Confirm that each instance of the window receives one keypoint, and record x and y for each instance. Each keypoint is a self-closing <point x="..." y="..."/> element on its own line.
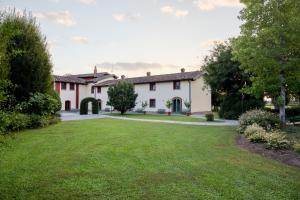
<point x="72" y="86"/>
<point x="63" y="86"/>
<point x="176" y="85"/>
<point x="152" y="86"/>
<point x="152" y="103"/>
<point x="98" y="89"/>
<point x="92" y="90"/>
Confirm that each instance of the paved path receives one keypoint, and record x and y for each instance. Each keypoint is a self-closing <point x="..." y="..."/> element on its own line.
<point x="75" y="116"/>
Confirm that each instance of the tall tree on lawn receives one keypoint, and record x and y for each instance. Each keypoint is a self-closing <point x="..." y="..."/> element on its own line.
<point x="269" y="48"/>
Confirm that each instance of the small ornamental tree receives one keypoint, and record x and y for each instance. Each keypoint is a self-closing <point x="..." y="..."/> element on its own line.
<point x="169" y="105"/>
<point x="144" y="105"/>
<point x="122" y="96"/>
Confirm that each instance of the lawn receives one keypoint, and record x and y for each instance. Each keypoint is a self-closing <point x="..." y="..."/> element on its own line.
<point x="163" y="117"/>
<point x="116" y="159"/>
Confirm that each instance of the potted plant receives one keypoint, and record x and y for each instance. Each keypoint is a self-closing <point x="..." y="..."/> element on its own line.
<point x="144" y="105"/>
<point x="169" y="105"/>
<point x="188" y="107"/>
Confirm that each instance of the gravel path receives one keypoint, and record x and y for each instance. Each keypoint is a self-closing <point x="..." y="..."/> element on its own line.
<point x="65" y="116"/>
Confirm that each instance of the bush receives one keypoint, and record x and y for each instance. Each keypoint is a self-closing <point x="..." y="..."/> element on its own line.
<point x="13" y="121"/>
<point x="37" y="121"/>
<point x="296" y="147"/>
<point x="278" y="140"/>
<point x="255" y="133"/>
<point x="85" y="103"/>
<point x="265" y="119"/>
<point x="40" y="104"/>
<point x="210" y="117"/>
<point x="161" y="111"/>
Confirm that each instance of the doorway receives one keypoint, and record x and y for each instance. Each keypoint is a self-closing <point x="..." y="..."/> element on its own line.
<point x="177" y="105"/>
<point x="67" y="105"/>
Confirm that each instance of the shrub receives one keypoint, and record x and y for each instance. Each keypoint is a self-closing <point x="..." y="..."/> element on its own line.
<point x="255" y="133"/>
<point x="85" y="103"/>
<point x="41" y="104"/>
<point x="265" y="119"/>
<point x="278" y="140"/>
<point x="13" y="121"/>
<point x="296" y="147"/>
<point x="37" y="121"/>
<point x="161" y="111"/>
<point x="210" y="117"/>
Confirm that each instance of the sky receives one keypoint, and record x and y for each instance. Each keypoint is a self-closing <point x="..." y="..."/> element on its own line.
<point x="131" y="37"/>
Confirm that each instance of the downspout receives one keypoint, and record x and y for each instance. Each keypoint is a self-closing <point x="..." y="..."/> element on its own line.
<point x="190" y="95"/>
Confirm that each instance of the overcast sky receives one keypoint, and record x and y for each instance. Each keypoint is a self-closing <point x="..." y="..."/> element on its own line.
<point x="131" y="37"/>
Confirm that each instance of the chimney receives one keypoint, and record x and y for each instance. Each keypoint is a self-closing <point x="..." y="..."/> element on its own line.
<point x="122" y="77"/>
<point x="182" y="70"/>
<point x="95" y="70"/>
<point x="148" y="73"/>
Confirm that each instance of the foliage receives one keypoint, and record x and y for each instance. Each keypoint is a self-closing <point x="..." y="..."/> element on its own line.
<point x="144" y="105"/>
<point x="269" y="48"/>
<point x="38" y="121"/>
<point x="84" y="104"/>
<point x="188" y="105"/>
<point x="40" y="104"/>
<point x="296" y="147"/>
<point x="7" y="100"/>
<point x="210" y="117"/>
<point x="12" y="121"/>
<point x="122" y="96"/>
<point x="226" y="80"/>
<point x="278" y="140"/>
<point x="25" y="60"/>
<point x="265" y="119"/>
<point x="161" y="111"/>
<point x="255" y="133"/>
<point x="169" y="104"/>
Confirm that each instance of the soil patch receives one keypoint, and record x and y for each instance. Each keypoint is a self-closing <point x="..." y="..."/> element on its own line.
<point x="284" y="156"/>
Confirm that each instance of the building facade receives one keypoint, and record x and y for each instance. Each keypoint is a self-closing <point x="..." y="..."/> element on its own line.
<point x="156" y="90"/>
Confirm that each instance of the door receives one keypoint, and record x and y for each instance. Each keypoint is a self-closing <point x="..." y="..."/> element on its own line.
<point x="99" y="104"/>
<point x="67" y="105"/>
<point x="176" y="105"/>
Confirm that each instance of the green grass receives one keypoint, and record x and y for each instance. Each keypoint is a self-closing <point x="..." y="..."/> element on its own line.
<point x="163" y="117"/>
<point x="116" y="159"/>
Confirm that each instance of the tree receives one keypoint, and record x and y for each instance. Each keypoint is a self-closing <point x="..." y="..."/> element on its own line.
<point x="269" y="48"/>
<point x="122" y="96"/>
<point x="226" y="80"/>
<point x="169" y="105"/>
<point x="24" y="57"/>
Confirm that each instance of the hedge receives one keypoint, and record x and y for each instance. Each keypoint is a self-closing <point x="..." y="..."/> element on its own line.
<point x="84" y="106"/>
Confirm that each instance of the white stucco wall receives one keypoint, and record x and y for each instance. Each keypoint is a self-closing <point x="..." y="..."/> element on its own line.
<point x="68" y="95"/>
<point x="201" y="96"/>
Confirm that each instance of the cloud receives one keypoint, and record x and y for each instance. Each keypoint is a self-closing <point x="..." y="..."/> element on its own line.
<point x="88" y="2"/>
<point x="62" y="17"/>
<point x="170" y="10"/>
<point x="79" y="39"/>
<point x="140" y="68"/>
<point x="126" y="17"/>
<point x="208" y="5"/>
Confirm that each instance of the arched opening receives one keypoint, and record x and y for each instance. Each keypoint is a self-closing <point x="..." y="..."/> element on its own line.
<point x="84" y="106"/>
<point x="176" y="105"/>
<point x="67" y="105"/>
<point x="99" y="104"/>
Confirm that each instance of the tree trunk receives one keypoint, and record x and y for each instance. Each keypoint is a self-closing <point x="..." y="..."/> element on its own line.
<point x="282" y="103"/>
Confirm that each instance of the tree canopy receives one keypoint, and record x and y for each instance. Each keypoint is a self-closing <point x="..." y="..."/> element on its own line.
<point x="226" y="80"/>
<point x="122" y="96"/>
<point x="24" y="58"/>
<point x="269" y="48"/>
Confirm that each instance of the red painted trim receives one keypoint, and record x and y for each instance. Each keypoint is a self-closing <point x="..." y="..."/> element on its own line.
<point x="58" y="87"/>
<point x="77" y="96"/>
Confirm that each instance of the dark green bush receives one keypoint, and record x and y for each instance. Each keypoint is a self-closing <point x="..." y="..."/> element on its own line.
<point x="161" y="111"/>
<point x="263" y="118"/>
<point x="210" y="117"/>
<point x="84" y="106"/>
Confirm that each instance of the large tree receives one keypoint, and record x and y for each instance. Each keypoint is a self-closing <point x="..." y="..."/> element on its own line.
<point x="269" y="48"/>
<point x="226" y="80"/>
<point x="24" y="57"/>
<point x="122" y="96"/>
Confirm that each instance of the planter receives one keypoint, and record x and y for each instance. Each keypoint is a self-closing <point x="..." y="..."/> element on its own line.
<point x="144" y="112"/>
<point x="169" y="113"/>
<point x="188" y="114"/>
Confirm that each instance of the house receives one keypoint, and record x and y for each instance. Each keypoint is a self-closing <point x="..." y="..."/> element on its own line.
<point x="155" y="89"/>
